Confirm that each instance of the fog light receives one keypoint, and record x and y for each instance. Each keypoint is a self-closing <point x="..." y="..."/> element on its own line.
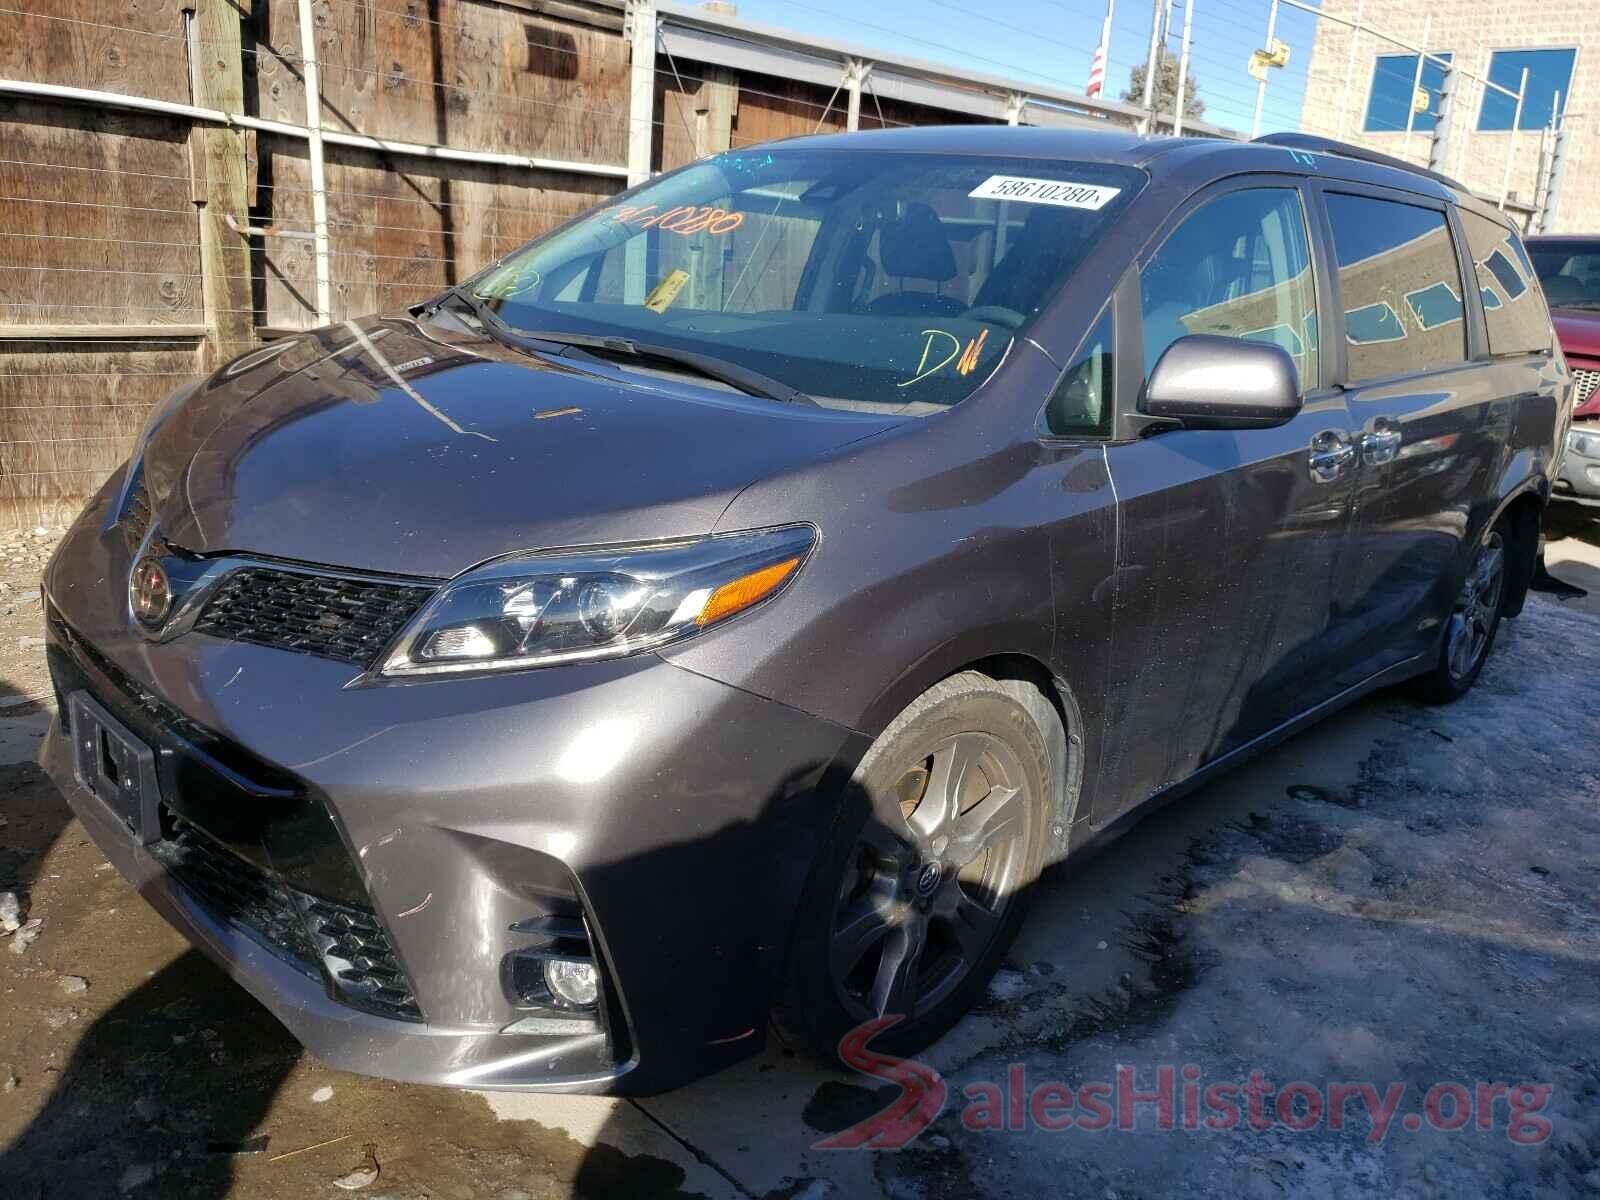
<point x="575" y="982"/>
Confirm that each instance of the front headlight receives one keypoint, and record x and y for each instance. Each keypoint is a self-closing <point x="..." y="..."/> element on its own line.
<point x="1584" y="443"/>
<point x="535" y="610"/>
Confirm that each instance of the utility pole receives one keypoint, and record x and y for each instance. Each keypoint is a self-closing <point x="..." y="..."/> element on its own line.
<point x="1157" y="42"/>
<point x="1261" y="84"/>
<point x="1183" y="69"/>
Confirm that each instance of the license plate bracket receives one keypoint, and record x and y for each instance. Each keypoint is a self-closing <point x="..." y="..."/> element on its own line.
<point x="116" y="766"/>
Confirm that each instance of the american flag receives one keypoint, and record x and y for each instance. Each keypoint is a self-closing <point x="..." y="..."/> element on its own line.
<point x="1097" y="68"/>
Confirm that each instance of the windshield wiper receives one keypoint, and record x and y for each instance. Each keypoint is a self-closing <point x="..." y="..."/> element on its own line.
<point x="751" y="382"/>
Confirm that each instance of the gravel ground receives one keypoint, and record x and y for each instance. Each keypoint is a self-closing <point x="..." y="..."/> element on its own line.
<point x="1402" y="896"/>
<point x="23" y="552"/>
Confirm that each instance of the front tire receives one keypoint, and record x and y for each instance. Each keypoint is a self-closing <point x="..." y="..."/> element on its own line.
<point x="923" y="884"/>
<point x="1473" y="622"/>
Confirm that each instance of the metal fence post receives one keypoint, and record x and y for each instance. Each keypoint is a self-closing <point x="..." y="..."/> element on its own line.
<point x="855" y="73"/>
<point x="1349" y="68"/>
<point x="1439" y="149"/>
<point x="1511" y="146"/>
<point x="312" y="76"/>
<point x="641" y="88"/>
<point x="1416" y="84"/>
<point x="1552" y="191"/>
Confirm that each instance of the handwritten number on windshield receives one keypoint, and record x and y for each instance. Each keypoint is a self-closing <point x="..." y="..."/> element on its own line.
<point x="685" y="219"/>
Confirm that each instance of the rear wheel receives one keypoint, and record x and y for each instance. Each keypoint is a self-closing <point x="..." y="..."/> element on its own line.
<point x="922" y="886"/>
<point x="1474" y="619"/>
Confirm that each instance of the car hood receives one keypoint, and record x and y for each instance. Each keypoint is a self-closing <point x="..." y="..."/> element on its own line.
<point x="399" y="446"/>
<point x="1578" y="331"/>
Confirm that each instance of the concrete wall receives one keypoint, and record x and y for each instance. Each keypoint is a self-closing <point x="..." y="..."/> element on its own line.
<point x="1470" y="29"/>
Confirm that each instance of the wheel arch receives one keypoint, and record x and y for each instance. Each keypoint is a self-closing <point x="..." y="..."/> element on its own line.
<point x="1523" y="511"/>
<point x="1019" y="665"/>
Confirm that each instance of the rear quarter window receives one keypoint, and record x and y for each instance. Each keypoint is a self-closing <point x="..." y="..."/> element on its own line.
<point x="1513" y="309"/>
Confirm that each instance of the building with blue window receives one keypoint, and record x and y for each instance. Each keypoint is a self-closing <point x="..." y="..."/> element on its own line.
<point x="1363" y="89"/>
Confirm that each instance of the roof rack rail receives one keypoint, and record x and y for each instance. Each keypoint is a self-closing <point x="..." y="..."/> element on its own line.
<point x="1323" y="145"/>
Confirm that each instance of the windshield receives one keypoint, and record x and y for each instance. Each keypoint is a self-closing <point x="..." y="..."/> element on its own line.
<point x="866" y="280"/>
<point x="1569" y="272"/>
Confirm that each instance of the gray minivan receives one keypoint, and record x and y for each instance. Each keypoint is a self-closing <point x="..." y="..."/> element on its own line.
<point x="724" y="607"/>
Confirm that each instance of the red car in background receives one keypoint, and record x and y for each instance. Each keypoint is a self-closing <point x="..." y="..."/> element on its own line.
<point x="1569" y="270"/>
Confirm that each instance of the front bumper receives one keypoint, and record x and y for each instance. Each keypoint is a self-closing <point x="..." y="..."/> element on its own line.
<point x="1579" y="478"/>
<point x="681" y="815"/>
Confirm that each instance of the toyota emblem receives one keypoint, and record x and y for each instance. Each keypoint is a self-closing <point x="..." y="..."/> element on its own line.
<point x="149" y="592"/>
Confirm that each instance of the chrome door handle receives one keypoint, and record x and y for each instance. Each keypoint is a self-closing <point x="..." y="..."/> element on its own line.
<point x="1380" y="446"/>
<point x="1331" y="453"/>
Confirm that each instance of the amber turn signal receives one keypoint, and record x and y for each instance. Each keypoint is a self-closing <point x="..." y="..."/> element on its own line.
<point x="745" y="591"/>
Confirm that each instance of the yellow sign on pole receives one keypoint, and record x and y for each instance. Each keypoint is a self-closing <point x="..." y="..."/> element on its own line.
<point x="1261" y="61"/>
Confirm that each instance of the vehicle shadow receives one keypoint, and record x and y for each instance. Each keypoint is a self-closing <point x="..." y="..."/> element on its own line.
<point x="162" y="1089"/>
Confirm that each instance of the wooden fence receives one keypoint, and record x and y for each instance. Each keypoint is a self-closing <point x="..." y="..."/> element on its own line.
<point x="126" y="261"/>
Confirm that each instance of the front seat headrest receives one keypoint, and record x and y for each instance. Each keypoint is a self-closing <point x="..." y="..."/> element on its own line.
<point x="914" y="246"/>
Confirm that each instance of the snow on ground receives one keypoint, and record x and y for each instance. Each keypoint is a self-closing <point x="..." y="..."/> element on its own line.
<point x="1403" y="896"/>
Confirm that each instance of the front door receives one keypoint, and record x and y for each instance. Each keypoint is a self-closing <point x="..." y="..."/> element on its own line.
<point x="1229" y="542"/>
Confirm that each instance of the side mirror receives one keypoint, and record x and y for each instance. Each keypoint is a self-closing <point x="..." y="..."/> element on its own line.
<point x="1211" y="382"/>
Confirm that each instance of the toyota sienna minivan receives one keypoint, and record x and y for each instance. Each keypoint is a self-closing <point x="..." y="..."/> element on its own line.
<point x="714" y="615"/>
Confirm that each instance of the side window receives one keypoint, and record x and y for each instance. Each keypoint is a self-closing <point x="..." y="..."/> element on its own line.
<point x="1081" y="403"/>
<point x="1240" y="266"/>
<point x="1399" y="284"/>
<point x="1512" y="308"/>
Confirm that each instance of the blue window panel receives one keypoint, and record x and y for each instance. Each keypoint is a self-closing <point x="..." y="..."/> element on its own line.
<point x="1435" y="306"/>
<point x="1311" y="330"/>
<point x="1549" y="72"/>
<point x="1373" y="323"/>
<point x="1505" y="274"/>
<point x="1389" y="101"/>
<point x="1490" y="300"/>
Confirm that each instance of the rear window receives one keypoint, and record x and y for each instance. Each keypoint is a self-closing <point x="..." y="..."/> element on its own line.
<point x="1400" y="287"/>
<point x="873" y="280"/>
<point x="1512" y="307"/>
<point x="1569" y="273"/>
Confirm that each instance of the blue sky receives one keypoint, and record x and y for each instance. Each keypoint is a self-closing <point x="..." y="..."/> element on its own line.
<point x="1053" y="41"/>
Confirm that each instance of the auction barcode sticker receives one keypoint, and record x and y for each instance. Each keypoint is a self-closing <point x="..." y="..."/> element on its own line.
<point x="1062" y="192"/>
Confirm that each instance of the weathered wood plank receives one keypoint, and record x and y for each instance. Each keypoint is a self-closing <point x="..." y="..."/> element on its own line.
<point x="220" y="180"/>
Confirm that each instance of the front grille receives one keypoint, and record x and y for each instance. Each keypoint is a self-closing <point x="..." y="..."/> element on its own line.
<point x="351" y="620"/>
<point x="1584" y="384"/>
<point x="238" y="893"/>
<point x="135" y="516"/>
<point x="216" y="795"/>
<point x="346" y="941"/>
<point x="358" y="954"/>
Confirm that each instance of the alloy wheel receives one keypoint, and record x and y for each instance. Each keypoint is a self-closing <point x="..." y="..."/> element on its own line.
<point x="935" y="871"/>
<point x="1477" y="606"/>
